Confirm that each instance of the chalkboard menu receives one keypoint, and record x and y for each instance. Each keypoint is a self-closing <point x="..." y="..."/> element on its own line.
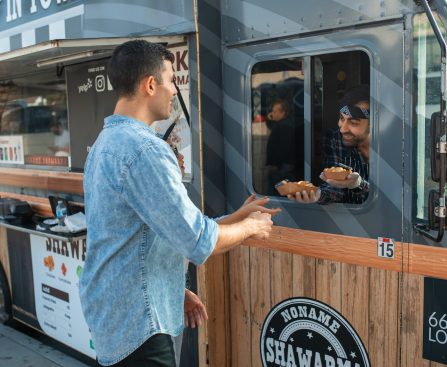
<point x="435" y="320"/>
<point x="90" y="99"/>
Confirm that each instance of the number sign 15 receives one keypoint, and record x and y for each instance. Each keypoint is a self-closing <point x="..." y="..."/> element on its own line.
<point x="385" y="247"/>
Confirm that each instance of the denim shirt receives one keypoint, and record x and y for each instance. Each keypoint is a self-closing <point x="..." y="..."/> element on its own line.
<point x="141" y="225"/>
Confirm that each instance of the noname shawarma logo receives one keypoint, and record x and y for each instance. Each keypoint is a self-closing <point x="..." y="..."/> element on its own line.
<point x="302" y="332"/>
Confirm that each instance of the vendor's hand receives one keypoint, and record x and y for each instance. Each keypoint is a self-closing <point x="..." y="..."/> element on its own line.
<point x="306" y="197"/>
<point x="352" y="181"/>
<point x="253" y="204"/>
<point x="194" y="309"/>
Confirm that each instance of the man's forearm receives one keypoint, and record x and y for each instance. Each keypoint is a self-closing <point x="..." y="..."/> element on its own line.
<point x="231" y="218"/>
<point x="230" y="235"/>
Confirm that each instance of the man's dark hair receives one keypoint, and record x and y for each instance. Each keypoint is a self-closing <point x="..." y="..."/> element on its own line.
<point x="355" y="95"/>
<point x="134" y="60"/>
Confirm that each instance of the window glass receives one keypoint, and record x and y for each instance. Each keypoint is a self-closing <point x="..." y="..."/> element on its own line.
<point x="277" y="123"/>
<point x="288" y="146"/>
<point x="33" y="121"/>
<point x="427" y="96"/>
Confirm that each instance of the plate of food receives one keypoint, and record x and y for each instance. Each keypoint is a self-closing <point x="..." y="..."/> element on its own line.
<point x="337" y="173"/>
<point x="286" y="187"/>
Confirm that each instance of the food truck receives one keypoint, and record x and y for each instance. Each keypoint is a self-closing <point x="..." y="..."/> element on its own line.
<point x="340" y="284"/>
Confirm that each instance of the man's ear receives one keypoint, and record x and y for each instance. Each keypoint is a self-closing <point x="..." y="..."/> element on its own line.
<point x="149" y="84"/>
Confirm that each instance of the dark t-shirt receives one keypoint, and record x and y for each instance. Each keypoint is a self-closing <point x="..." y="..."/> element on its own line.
<point x="281" y="145"/>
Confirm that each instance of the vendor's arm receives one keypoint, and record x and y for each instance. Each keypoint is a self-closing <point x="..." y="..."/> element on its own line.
<point x="306" y="197"/>
<point x="352" y="181"/>
<point x="335" y="191"/>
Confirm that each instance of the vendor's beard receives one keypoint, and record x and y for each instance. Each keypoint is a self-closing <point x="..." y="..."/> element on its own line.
<point x="355" y="141"/>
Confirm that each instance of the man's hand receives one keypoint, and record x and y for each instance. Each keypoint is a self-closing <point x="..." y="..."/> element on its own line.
<point x="259" y="225"/>
<point x="352" y="181"/>
<point x="232" y="232"/>
<point x="252" y="204"/>
<point x="194" y="309"/>
<point x="306" y="197"/>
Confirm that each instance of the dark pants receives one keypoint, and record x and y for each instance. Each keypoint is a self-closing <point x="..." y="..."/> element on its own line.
<point x="157" y="351"/>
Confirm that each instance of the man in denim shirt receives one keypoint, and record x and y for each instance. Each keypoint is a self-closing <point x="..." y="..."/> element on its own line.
<point x="141" y="224"/>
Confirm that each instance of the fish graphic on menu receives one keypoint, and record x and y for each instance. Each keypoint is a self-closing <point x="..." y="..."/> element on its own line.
<point x="49" y="262"/>
<point x="63" y="269"/>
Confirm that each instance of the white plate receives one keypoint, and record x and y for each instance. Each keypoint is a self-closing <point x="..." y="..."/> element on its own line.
<point x="51" y="221"/>
<point x="60" y="229"/>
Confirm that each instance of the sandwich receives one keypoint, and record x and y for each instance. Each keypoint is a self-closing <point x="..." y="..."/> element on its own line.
<point x="337" y="173"/>
<point x="287" y="187"/>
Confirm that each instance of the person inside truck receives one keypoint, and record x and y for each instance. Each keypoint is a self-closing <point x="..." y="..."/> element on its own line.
<point x="59" y="128"/>
<point x="346" y="147"/>
<point x="141" y="224"/>
<point x="11" y="120"/>
<point x="281" y="145"/>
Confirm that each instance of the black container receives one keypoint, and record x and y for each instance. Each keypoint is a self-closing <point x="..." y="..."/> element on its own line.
<point x="15" y="211"/>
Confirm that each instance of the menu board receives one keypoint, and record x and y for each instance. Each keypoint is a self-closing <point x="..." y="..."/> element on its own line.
<point x="57" y="266"/>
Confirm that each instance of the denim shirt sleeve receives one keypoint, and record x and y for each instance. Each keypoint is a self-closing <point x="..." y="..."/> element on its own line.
<point x="154" y="189"/>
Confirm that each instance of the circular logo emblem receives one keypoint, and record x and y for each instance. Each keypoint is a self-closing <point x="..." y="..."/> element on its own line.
<point x="304" y="332"/>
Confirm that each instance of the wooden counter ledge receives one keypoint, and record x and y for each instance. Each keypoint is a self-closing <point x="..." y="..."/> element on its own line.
<point x="68" y="182"/>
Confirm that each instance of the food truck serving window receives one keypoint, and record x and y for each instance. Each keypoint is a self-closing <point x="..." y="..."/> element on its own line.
<point x="289" y="138"/>
<point x="33" y="121"/>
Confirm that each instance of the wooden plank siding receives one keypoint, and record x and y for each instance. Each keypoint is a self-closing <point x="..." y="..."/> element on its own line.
<point x="382" y="299"/>
<point x="355" y="291"/>
<point x="384" y="314"/>
<point x="412" y="318"/>
<point x="260" y="299"/>
<point x="218" y="311"/>
<point x="240" y="312"/>
<point x="202" y="331"/>
<point x="303" y="276"/>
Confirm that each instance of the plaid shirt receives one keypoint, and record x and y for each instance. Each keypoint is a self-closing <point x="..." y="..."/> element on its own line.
<point x="336" y="152"/>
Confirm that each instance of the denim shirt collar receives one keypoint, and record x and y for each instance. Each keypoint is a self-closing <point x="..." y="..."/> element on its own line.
<point x="116" y="119"/>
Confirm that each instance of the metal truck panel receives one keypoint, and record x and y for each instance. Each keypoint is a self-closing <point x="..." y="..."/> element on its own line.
<point x="262" y="19"/>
